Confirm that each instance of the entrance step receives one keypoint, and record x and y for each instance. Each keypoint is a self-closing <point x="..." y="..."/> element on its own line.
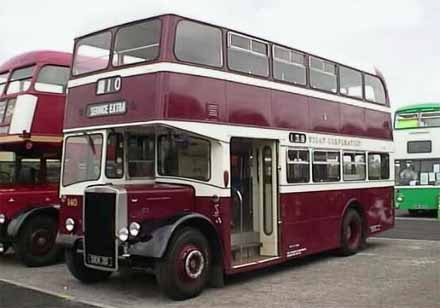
<point x="238" y="239"/>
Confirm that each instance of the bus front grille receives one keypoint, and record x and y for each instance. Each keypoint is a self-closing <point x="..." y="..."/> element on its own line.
<point x="100" y="243"/>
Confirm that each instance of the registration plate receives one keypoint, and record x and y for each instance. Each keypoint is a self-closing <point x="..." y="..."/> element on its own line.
<point x="100" y="261"/>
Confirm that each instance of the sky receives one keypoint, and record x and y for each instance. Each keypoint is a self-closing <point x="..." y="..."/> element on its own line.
<point x="399" y="37"/>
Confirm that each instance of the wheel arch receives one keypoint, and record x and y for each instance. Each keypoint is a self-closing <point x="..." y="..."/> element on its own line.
<point x="15" y="225"/>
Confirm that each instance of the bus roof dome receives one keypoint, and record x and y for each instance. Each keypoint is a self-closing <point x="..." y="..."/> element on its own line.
<point x="40" y="56"/>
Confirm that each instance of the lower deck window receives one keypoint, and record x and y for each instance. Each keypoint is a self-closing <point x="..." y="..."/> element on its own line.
<point x="378" y="166"/>
<point x="326" y="167"/>
<point x="298" y="166"/>
<point x="354" y="166"/>
<point x="184" y="156"/>
<point x="140" y="156"/>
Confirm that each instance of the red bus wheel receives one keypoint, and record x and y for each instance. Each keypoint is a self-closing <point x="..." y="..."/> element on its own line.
<point x="183" y="272"/>
<point x="352" y="235"/>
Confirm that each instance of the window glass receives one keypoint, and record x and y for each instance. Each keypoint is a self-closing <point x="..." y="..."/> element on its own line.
<point x="430" y="119"/>
<point x="406" y="120"/>
<point x="53" y="168"/>
<point x="374" y="90"/>
<point x="92" y="53"/>
<point x="82" y="159"/>
<point x="323" y="75"/>
<point x="184" y="156"/>
<point x="200" y="44"/>
<point x="354" y="166"/>
<point x="3" y="80"/>
<point x="326" y="166"/>
<point x="28" y="172"/>
<point x="20" y="80"/>
<point x="350" y="82"/>
<point x="137" y="43"/>
<point x="52" y="79"/>
<point x="9" y="110"/>
<point x="140" y="156"/>
<point x="114" y="164"/>
<point x="423" y="146"/>
<point x="298" y="166"/>
<point x="417" y="172"/>
<point x="267" y="191"/>
<point x="289" y="65"/>
<point x="248" y="56"/>
<point x="378" y="166"/>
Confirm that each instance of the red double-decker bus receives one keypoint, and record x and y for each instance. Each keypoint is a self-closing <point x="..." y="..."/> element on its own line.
<point x="32" y="101"/>
<point x="198" y="151"/>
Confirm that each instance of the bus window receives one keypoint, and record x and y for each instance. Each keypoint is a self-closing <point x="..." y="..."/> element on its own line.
<point x="248" y="55"/>
<point x="137" y="43"/>
<point x="406" y="120"/>
<point x="354" y="166"/>
<point x="430" y="119"/>
<point x="326" y="167"/>
<point x="114" y="164"/>
<point x="20" y="80"/>
<point x="350" y="82"/>
<point x="323" y="75"/>
<point x="140" y="156"/>
<point x="53" y="167"/>
<point x="184" y="156"/>
<point x="9" y="110"/>
<point x="298" y="166"/>
<point x="289" y="65"/>
<point x="374" y="90"/>
<point x="52" y="79"/>
<point x="3" y="80"/>
<point x="197" y="43"/>
<point x="92" y="53"/>
<point x="378" y="166"/>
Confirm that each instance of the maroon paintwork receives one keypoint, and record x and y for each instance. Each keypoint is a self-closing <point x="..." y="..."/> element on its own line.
<point x="45" y="135"/>
<point x="312" y="220"/>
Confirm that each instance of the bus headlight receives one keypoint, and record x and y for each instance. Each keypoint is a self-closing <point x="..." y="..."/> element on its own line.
<point x="399" y="199"/>
<point x="2" y="219"/>
<point x="123" y="234"/>
<point x="69" y="224"/>
<point x="135" y="228"/>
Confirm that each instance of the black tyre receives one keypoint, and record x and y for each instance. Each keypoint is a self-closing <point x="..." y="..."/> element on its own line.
<point x="352" y="234"/>
<point x="75" y="264"/>
<point x="184" y="271"/>
<point x="35" y="245"/>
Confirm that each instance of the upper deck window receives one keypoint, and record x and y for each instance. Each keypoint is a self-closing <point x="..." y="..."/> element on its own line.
<point x="52" y="79"/>
<point x="374" y="90"/>
<point x="430" y="119"/>
<point x="3" y="80"/>
<point x="248" y="55"/>
<point x="350" y="82"/>
<point x="406" y="120"/>
<point x="323" y="75"/>
<point x="137" y="43"/>
<point x="92" y="53"/>
<point x="289" y="65"/>
<point x="197" y="43"/>
<point x="20" y="80"/>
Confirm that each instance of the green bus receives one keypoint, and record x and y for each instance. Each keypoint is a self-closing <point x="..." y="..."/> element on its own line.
<point x="417" y="157"/>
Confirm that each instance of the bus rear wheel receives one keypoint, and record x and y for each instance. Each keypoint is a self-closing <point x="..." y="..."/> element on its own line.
<point x="35" y="245"/>
<point x="352" y="235"/>
<point x="75" y="264"/>
<point x="4" y="249"/>
<point x="184" y="270"/>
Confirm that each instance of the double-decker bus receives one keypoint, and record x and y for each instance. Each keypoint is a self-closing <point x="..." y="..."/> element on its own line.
<point x="417" y="164"/>
<point x="197" y="151"/>
<point x="32" y="101"/>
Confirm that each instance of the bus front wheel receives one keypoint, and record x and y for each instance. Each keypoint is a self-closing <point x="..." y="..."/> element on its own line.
<point x="75" y="264"/>
<point x="184" y="270"/>
<point x="352" y="236"/>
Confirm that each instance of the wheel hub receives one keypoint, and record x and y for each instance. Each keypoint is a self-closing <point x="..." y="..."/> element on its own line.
<point x="41" y="242"/>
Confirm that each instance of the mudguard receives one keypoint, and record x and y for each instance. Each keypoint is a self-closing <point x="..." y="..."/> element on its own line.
<point x="155" y="242"/>
<point x="16" y="223"/>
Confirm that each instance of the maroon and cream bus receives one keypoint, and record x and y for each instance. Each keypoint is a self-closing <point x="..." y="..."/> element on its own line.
<point x="32" y="101"/>
<point x="197" y="151"/>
